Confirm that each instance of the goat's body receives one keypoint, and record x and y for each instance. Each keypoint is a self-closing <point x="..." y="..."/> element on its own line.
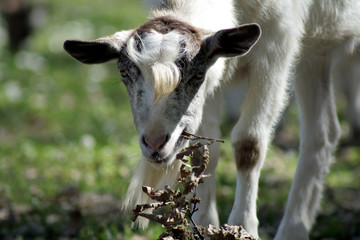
<point x="299" y="36"/>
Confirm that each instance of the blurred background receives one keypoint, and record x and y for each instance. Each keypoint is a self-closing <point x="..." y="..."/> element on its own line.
<point x="68" y="146"/>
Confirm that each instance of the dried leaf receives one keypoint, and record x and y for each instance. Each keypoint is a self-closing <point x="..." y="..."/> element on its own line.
<point x="174" y="217"/>
<point x="184" y="173"/>
<point x="198" y="170"/>
<point x="166" y="237"/>
<point x="195" y="200"/>
<point x="161" y="195"/>
<point x="142" y="207"/>
<point x="179" y="233"/>
<point x="155" y="218"/>
<point x="227" y="232"/>
<point x="182" y="202"/>
<point x="211" y="230"/>
<point x="193" y="182"/>
<point x="188" y="151"/>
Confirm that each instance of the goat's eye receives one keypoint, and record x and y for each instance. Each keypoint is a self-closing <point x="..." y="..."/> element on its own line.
<point x="198" y="77"/>
<point x="199" y="74"/>
<point x="124" y="73"/>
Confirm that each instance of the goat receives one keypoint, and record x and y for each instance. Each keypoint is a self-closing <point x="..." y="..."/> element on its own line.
<point x="173" y="67"/>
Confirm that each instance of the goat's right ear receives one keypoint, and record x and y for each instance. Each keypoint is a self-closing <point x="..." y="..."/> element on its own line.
<point x="98" y="51"/>
<point x="232" y="42"/>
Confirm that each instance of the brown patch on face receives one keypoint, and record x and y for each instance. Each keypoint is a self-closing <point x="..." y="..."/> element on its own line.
<point x="167" y="24"/>
<point x="247" y="154"/>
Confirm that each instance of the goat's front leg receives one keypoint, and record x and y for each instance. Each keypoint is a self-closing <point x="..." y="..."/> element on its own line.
<point x="267" y="73"/>
<point x="250" y="138"/>
<point x="210" y="127"/>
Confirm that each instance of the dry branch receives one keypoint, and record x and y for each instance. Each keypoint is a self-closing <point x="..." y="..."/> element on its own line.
<point x="181" y="208"/>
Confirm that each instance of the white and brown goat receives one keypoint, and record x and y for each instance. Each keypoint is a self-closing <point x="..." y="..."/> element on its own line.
<point x="173" y="67"/>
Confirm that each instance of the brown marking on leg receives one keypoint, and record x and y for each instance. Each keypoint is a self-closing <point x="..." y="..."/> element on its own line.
<point x="247" y="154"/>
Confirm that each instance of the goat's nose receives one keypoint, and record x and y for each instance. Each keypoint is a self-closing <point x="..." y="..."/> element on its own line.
<point x="156" y="142"/>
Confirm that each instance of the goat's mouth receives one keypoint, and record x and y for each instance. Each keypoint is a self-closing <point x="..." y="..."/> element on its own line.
<point x="181" y="147"/>
<point x="158" y="158"/>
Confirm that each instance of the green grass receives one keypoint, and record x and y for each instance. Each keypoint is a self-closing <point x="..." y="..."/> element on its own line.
<point x="68" y="146"/>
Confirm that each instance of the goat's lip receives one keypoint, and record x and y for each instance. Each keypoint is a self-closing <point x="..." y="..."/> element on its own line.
<point x="158" y="159"/>
<point x="180" y="143"/>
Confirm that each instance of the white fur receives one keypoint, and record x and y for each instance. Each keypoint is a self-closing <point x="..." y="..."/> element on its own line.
<point x="149" y="175"/>
<point x="197" y="12"/>
<point x="157" y="58"/>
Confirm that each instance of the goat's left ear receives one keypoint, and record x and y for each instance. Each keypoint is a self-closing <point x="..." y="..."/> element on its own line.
<point x="97" y="51"/>
<point x="232" y="42"/>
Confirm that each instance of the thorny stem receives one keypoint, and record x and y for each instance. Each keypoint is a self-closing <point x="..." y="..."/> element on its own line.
<point x="194" y="209"/>
<point x="190" y="136"/>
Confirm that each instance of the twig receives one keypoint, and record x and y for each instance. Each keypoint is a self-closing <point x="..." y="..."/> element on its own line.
<point x="195" y="209"/>
<point x="190" y="136"/>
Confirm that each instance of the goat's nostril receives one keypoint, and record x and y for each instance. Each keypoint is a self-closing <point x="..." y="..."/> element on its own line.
<point x="156" y="143"/>
<point x="144" y="141"/>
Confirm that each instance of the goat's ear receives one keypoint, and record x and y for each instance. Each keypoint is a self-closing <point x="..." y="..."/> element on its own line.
<point x="232" y="42"/>
<point x="97" y="51"/>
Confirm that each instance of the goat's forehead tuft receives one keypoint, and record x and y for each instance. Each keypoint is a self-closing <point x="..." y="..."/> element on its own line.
<point x="165" y="36"/>
<point x="166" y="24"/>
<point x="154" y="47"/>
<point x="190" y="37"/>
<point x="168" y="46"/>
<point x="157" y="46"/>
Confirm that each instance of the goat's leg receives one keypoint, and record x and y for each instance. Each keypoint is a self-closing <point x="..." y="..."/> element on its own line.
<point x="352" y="93"/>
<point x="346" y="74"/>
<point x="320" y="132"/>
<point x="267" y="71"/>
<point x="250" y="138"/>
<point x="210" y="127"/>
<point x="260" y="111"/>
